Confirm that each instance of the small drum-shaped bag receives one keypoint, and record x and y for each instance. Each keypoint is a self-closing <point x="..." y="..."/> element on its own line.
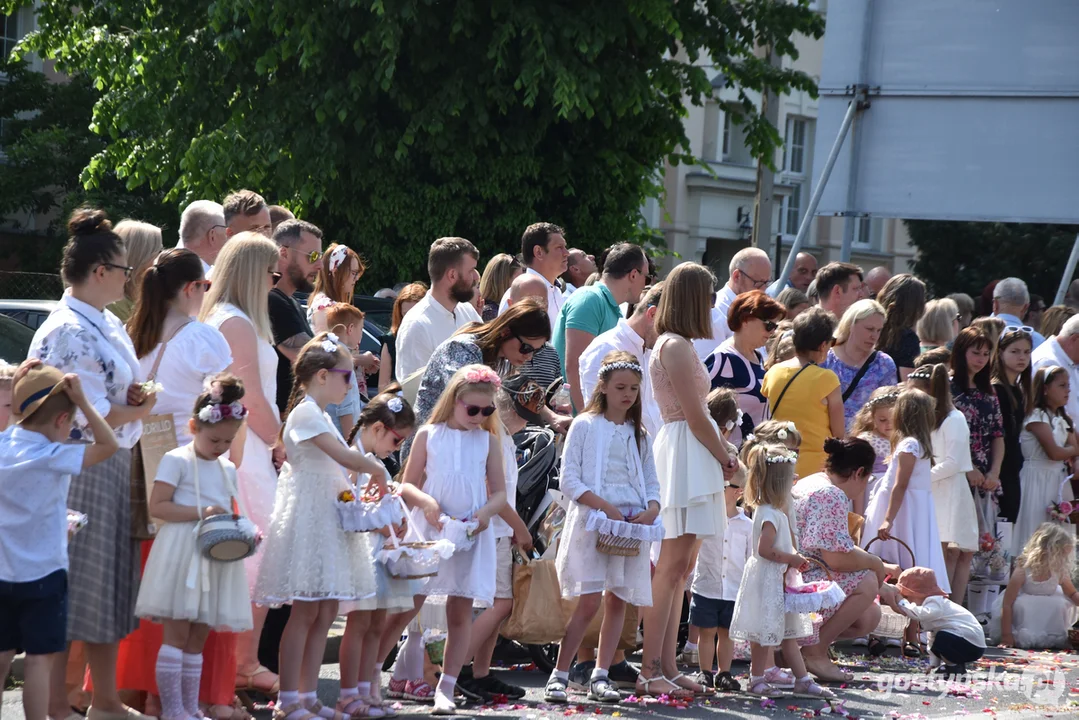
<point x="228" y="537"/>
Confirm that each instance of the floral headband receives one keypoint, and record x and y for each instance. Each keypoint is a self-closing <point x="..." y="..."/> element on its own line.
<point x="482" y="375"/>
<point x="216" y="412"/>
<point x="791" y="458"/>
<point x="621" y="365"/>
<point x="338" y="256"/>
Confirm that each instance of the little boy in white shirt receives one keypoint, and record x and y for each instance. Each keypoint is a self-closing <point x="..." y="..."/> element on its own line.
<point x="36" y="465"/>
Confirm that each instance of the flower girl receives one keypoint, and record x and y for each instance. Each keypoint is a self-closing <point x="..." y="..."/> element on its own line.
<point x="455" y="483"/>
<point x="309" y="560"/>
<point x="188" y="593"/>
<point x="609" y="475"/>
<point x="760" y="613"/>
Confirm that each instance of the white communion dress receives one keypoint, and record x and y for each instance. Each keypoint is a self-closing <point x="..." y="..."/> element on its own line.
<point x="1041" y="615"/>
<point x="1040" y="479"/>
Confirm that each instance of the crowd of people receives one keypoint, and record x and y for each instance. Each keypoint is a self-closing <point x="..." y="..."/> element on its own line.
<point x="847" y="432"/>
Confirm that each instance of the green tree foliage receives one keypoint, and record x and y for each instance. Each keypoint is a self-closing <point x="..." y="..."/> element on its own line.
<point x="46" y="142"/>
<point x="967" y="256"/>
<point x="393" y="122"/>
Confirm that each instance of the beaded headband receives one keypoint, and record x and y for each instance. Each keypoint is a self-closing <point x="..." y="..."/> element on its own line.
<point x="621" y="365"/>
<point x="888" y="397"/>
<point x="923" y="373"/>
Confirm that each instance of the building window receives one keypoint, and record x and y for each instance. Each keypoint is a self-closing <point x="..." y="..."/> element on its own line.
<point x="868" y="233"/>
<point x="726" y="135"/>
<point x="11" y="34"/>
<point x="794" y="146"/>
<point x="711" y="131"/>
<point x="792" y="210"/>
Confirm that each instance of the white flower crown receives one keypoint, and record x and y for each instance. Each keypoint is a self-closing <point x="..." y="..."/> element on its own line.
<point x="216" y="412"/>
<point x="621" y="365"/>
<point x="791" y="458"/>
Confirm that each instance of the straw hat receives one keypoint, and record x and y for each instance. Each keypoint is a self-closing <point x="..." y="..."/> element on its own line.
<point x="39" y="384"/>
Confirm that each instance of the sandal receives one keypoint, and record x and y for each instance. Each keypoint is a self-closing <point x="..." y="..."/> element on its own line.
<point x="911" y="650"/>
<point x="236" y="711"/>
<point x="725" y="682"/>
<point x="419" y="691"/>
<point x="678" y="693"/>
<point x="828" y="673"/>
<point x="380" y="705"/>
<point x="759" y="686"/>
<point x="295" y="711"/>
<point x="807" y="687"/>
<point x="355" y="707"/>
<point x="245" y="685"/>
<point x="317" y="708"/>
<point x="876" y="647"/>
<point x="555" y="691"/>
<point x="682" y="676"/>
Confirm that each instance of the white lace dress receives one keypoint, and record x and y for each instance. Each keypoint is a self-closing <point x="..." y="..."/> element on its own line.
<point x="760" y="614"/>
<point x="1041" y="615"/>
<point x="603" y="458"/>
<point x="307" y="554"/>
<point x="1039" y="480"/>
<point x="457" y="480"/>
<point x="256" y="475"/>
<point x="915" y="523"/>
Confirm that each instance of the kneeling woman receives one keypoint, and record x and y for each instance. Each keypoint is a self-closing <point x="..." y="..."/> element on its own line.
<point x="609" y="474"/>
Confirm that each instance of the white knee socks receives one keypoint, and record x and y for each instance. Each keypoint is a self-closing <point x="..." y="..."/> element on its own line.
<point x="192" y="676"/>
<point x="169" y="672"/>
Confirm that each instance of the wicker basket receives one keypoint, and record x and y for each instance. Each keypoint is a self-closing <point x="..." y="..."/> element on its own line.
<point x="616" y="537"/>
<point x="620" y="546"/>
<point x="892" y="624"/>
<point x="413" y="567"/>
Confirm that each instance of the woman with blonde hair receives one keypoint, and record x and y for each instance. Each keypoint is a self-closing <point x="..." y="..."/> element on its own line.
<point x="338" y="274"/>
<point x="237" y="305"/>
<point x="939" y="325"/>
<point x="860" y="367"/>
<point x="142" y="242"/>
<point x="1053" y="319"/>
<point x="692" y="463"/>
<point x="496" y="280"/>
<point x="405" y="301"/>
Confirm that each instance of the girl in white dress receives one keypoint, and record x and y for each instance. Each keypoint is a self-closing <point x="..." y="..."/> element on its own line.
<point x="902" y="504"/>
<point x="1039" y="605"/>
<point x="873" y="423"/>
<point x="384" y="423"/>
<point x="309" y="560"/>
<point x="957" y="518"/>
<point x="188" y="593"/>
<point x="607" y="466"/>
<point x="1049" y="444"/>
<point x="460" y="453"/>
<point x="760" y="613"/>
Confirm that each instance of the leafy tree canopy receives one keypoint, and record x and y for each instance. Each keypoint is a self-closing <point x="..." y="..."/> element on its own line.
<point x="392" y="122"/>
<point x="967" y="256"/>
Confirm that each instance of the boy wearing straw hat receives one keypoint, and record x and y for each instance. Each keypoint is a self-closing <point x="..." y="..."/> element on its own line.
<point x="36" y="465"/>
<point x="957" y="637"/>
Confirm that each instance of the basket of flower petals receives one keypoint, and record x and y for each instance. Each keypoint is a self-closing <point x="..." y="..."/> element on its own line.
<point x="364" y="514"/>
<point x="802" y="597"/>
<point x="621" y="538"/>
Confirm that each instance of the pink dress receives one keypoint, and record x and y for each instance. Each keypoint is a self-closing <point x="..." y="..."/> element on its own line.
<point x="690" y="478"/>
<point x="821" y="512"/>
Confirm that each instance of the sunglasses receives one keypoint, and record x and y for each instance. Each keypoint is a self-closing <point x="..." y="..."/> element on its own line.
<point x="398" y="438"/>
<point x="346" y="373"/>
<point x="203" y="284"/>
<point x="126" y="268"/>
<point x="733" y="486"/>
<point x="769" y="325"/>
<point x="312" y="256"/>
<point x="474" y="410"/>
<point x="275" y="275"/>
<point x="1016" y="328"/>
<point x="525" y="348"/>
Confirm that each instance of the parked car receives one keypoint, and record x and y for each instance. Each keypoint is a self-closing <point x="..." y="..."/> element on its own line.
<point x="29" y="312"/>
<point x="15" y="338"/>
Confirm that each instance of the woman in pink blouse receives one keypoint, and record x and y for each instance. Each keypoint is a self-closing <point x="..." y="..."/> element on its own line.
<point x="821" y="503"/>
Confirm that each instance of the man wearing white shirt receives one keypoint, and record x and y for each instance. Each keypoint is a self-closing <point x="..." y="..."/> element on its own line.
<point x="202" y="231"/>
<point x="446" y="307"/>
<point x="750" y="269"/>
<point x="544" y="253"/>
<point x="636" y="336"/>
<point x="1062" y="350"/>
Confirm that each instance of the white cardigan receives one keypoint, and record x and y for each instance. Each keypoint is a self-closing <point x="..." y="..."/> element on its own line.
<point x="584" y="460"/>
<point x="951" y="448"/>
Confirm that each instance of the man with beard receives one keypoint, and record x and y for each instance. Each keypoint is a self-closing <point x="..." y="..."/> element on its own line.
<point x="300" y="246"/>
<point x="451" y="263"/>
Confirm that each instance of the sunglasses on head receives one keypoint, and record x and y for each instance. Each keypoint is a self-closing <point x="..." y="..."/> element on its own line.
<point x="346" y="373"/>
<point x="1016" y="328"/>
<point x="525" y="348"/>
<point x="474" y="410"/>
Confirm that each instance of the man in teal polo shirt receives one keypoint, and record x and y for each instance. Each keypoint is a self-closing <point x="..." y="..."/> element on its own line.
<point x="593" y="310"/>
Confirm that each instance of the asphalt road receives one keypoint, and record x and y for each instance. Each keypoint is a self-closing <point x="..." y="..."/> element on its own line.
<point x="1008" y="684"/>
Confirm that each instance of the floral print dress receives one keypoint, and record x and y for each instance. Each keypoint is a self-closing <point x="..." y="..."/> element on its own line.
<point x="821" y="512"/>
<point x="986" y="423"/>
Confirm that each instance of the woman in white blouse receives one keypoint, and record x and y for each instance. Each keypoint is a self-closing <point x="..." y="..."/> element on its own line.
<point x="82" y="337"/>
<point x="244" y="274"/>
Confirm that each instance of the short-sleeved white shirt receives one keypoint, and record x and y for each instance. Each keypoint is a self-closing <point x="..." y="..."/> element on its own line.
<point x="425" y="327"/>
<point x="35" y="474"/>
<point x="621" y="337"/>
<point x="555" y="299"/>
<point x="722" y="560"/>
<point x="217" y="478"/>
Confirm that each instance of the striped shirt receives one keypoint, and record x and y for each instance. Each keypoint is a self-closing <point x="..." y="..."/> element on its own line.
<point x="544" y="367"/>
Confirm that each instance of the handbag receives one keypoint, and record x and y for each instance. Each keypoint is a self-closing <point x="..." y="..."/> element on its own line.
<point x="158" y="437"/>
<point x="775" y="408"/>
<point x="858" y="377"/>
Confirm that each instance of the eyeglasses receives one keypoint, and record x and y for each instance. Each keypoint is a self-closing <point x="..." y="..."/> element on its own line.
<point x="525" y="348"/>
<point x="474" y="410"/>
<point x="203" y="284"/>
<point x="275" y="275"/>
<point x="312" y="256"/>
<point x="398" y="438"/>
<point x="769" y="325"/>
<point x="346" y="373"/>
<point x="1016" y="329"/>
<point x="126" y="268"/>
<point x="757" y="284"/>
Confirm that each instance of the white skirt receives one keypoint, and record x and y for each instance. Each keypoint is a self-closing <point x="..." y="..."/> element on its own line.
<point x="690" y="483"/>
<point x="178" y="583"/>
<point x="467" y="573"/>
<point x="256" y="480"/>
<point x="391" y="593"/>
<point x="582" y="569"/>
<point x="957" y="518"/>
<point x="1040" y="484"/>
<point x="1039" y="622"/>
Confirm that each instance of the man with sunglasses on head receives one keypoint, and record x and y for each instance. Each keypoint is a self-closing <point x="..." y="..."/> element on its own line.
<point x="593" y="310"/>
<point x="1011" y="300"/>
<point x="750" y="269"/>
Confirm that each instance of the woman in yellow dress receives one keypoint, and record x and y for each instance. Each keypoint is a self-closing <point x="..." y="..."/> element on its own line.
<point x="800" y="391"/>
